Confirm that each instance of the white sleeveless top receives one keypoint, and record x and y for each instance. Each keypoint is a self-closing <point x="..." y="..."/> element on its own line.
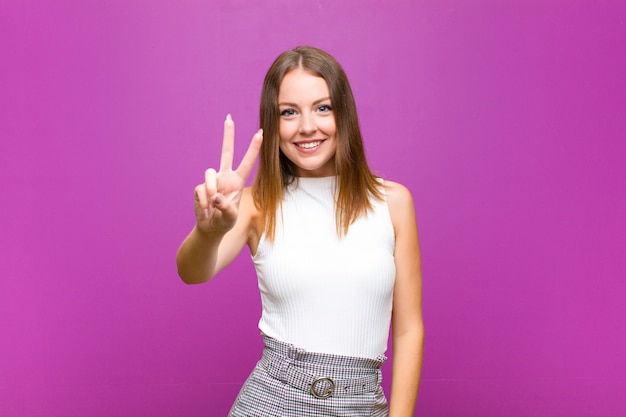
<point x="321" y="292"/>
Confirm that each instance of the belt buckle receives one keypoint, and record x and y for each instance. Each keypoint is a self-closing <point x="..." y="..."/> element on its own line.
<point x="328" y="393"/>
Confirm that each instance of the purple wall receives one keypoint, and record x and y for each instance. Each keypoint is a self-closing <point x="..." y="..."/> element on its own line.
<point x="505" y="119"/>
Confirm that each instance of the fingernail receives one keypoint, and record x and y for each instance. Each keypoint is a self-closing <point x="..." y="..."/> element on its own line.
<point x="206" y="213"/>
<point x="218" y="200"/>
<point x="229" y="117"/>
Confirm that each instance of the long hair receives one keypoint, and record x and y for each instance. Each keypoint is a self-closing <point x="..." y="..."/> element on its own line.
<point x="356" y="182"/>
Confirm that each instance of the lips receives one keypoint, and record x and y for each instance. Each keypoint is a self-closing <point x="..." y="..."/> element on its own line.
<point x="309" y="144"/>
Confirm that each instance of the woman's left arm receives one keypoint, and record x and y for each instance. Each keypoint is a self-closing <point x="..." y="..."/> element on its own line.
<point x="406" y="321"/>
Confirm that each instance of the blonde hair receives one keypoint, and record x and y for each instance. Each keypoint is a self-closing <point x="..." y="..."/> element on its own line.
<point x="356" y="183"/>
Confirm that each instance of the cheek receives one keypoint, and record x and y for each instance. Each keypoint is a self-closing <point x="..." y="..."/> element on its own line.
<point x="285" y="130"/>
<point x="328" y="125"/>
<point x="282" y="145"/>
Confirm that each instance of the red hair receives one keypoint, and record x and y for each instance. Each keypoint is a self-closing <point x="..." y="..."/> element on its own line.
<point x="356" y="182"/>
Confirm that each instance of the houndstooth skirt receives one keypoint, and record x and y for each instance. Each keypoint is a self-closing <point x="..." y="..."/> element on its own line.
<point x="291" y="382"/>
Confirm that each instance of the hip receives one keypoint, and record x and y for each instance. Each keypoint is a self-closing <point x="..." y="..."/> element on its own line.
<point x="289" y="381"/>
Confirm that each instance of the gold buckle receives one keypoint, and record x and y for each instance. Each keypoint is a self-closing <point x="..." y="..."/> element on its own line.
<point x="328" y="393"/>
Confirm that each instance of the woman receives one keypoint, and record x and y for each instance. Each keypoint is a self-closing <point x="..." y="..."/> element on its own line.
<point x="335" y="249"/>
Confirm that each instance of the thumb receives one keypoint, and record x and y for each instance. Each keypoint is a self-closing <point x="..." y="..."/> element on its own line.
<point x="224" y="205"/>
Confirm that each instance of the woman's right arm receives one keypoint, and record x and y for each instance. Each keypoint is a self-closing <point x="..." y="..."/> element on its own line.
<point x="225" y="214"/>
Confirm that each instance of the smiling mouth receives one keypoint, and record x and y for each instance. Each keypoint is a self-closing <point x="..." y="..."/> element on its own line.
<point x="309" y="145"/>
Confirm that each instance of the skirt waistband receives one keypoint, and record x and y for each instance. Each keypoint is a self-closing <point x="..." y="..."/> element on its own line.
<point x="322" y="375"/>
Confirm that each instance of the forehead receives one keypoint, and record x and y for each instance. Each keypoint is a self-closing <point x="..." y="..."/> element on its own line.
<point x="299" y="85"/>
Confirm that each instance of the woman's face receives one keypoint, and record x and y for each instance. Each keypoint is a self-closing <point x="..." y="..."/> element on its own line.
<point x="307" y="124"/>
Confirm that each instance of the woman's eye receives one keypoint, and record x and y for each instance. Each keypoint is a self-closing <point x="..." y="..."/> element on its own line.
<point x="324" y="108"/>
<point x="287" y="112"/>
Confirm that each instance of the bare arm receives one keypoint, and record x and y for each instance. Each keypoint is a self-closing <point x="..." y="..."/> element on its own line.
<point x="407" y="323"/>
<point x="225" y="214"/>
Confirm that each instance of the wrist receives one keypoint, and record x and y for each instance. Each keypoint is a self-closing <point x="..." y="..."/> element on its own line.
<point x="208" y="236"/>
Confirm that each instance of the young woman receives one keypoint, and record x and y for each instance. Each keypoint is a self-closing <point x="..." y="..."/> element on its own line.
<point x="335" y="249"/>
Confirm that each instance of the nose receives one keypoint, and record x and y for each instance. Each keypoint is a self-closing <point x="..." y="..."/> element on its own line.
<point x="307" y="124"/>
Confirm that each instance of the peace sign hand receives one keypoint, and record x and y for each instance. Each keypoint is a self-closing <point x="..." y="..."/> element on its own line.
<point x="216" y="201"/>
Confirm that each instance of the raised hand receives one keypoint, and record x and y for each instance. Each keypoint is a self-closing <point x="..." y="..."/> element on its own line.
<point x="216" y="201"/>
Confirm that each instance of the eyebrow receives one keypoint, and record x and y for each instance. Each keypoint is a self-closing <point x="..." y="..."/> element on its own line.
<point x="284" y="103"/>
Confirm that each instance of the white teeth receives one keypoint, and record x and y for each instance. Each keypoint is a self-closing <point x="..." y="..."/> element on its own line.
<point x="309" y="145"/>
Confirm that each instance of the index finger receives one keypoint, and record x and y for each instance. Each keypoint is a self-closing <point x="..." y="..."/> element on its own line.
<point x="228" y="145"/>
<point x="247" y="163"/>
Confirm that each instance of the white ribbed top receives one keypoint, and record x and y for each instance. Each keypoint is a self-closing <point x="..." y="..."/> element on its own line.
<point x="320" y="292"/>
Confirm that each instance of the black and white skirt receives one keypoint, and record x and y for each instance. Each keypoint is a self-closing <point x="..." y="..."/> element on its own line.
<point x="291" y="382"/>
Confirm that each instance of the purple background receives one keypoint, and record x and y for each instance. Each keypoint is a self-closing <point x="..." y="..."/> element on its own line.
<point x="504" y="118"/>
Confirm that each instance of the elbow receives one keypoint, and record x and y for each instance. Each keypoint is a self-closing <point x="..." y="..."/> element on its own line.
<point x="193" y="269"/>
<point x="190" y="276"/>
<point x="192" y="279"/>
<point x="412" y="332"/>
<point x="189" y="281"/>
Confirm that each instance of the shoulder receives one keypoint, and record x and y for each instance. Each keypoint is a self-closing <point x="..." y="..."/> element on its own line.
<point x="246" y="196"/>
<point x="251" y="216"/>
<point x="400" y="203"/>
<point x="398" y="196"/>
<point x="247" y="207"/>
